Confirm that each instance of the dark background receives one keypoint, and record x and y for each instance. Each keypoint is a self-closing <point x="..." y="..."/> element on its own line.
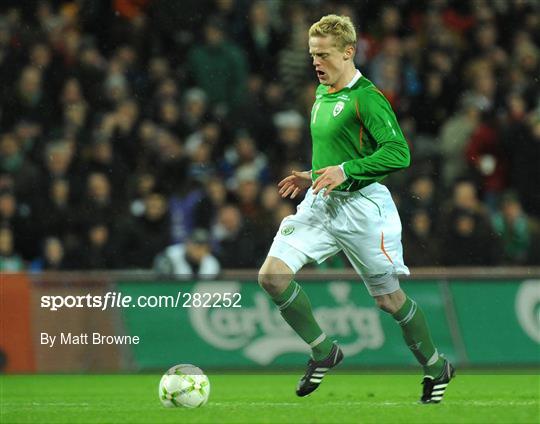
<point x="125" y="125"/>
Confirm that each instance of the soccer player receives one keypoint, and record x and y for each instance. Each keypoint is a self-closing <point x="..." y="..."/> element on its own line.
<point x="356" y="143"/>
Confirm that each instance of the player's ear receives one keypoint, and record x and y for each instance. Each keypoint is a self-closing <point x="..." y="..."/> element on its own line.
<point x="348" y="53"/>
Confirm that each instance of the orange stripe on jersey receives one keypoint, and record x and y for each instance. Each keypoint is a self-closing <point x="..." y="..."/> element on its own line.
<point x="361" y="124"/>
<point x="383" y="249"/>
<point x="377" y="90"/>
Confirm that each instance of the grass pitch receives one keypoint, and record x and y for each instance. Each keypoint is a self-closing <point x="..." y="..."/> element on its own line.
<point x="342" y="398"/>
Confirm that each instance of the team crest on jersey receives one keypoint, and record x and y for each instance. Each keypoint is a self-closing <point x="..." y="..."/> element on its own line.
<point x="338" y="108"/>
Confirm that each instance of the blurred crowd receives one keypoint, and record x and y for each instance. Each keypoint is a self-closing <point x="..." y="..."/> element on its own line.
<point x="151" y="133"/>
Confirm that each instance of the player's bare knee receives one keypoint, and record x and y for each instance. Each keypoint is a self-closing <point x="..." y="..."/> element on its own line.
<point x="390" y="303"/>
<point x="274" y="276"/>
<point x="272" y="284"/>
<point x="383" y="302"/>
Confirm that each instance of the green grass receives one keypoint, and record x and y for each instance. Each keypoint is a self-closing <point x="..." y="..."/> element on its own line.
<point x="342" y="398"/>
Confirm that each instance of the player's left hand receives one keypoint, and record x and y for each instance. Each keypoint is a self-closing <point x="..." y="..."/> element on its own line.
<point x="329" y="177"/>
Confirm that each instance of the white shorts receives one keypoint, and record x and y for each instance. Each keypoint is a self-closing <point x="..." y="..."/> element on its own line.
<point x="364" y="224"/>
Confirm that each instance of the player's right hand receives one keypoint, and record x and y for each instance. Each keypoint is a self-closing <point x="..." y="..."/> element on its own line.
<point x="295" y="183"/>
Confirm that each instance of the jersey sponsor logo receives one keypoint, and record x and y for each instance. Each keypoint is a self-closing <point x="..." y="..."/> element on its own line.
<point x="338" y="108"/>
<point x="288" y="229"/>
<point x="344" y="97"/>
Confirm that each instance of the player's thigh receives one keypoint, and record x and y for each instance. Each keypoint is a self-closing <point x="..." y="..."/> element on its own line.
<point x="303" y="238"/>
<point x="372" y="239"/>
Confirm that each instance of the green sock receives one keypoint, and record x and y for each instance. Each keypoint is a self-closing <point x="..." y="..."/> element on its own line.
<point x="295" y="308"/>
<point x="416" y="334"/>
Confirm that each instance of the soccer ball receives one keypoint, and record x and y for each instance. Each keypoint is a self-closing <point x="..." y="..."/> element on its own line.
<point x="184" y="385"/>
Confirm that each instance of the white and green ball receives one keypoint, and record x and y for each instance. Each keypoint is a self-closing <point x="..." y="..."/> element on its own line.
<point x="184" y="385"/>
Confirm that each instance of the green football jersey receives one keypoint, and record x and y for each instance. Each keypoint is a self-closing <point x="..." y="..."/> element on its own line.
<point x="357" y="127"/>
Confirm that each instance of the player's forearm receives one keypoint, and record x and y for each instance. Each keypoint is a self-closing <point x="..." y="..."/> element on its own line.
<point x="389" y="158"/>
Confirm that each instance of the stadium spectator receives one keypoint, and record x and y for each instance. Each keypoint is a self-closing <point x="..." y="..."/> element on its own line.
<point x="59" y="161"/>
<point x="486" y="156"/>
<point x="10" y="261"/>
<point x="121" y="127"/>
<point x="219" y="67"/>
<point x="422" y="195"/>
<point x="194" y="109"/>
<point x="454" y="136"/>
<point x="16" y="216"/>
<point x="173" y="164"/>
<point x="421" y="243"/>
<point x="247" y="193"/>
<point x="464" y="198"/>
<point x="211" y="133"/>
<point x="190" y="260"/>
<point x="244" y="154"/>
<point x="103" y="160"/>
<point x="231" y="13"/>
<point x="465" y="224"/>
<point x="75" y="123"/>
<point x="270" y="201"/>
<point x="182" y="212"/>
<point x="516" y="230"/>
<point x="261" y="40"/>
<point x="431" y="108"/>
<point x="386" y="70"/>
<point x="90" y="71"/>
<point x="467" y="242"/>
<point x="140" y="239"/>
<point x="239" y="243"/>
<point x="522" y="142"/>
<point x="293" y="63"/>
<point x="201" y="165"/>
<point x="28" y="101"/>
<point x="142" y="184"/>
<point x="98" y="204"/>
<point x="169" y="118"/>
<point x="98" y="249"/>
<point x="60" y="220"/>
<point x="53" y="257"/>
<point x="30" y="137"/>
<point x="290" y="143"/>
<point x="13" y="162"/>
<point x="215" y="196"/>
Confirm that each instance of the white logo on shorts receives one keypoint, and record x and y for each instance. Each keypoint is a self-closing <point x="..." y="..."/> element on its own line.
<point x="338" y="108"/>
<point x="288" y="229"/>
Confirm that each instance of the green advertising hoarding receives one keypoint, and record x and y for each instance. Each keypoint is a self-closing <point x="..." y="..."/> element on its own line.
<point x="254" y="335"/>
<point x="499" y="322"/>
<point x="472" y="322"/>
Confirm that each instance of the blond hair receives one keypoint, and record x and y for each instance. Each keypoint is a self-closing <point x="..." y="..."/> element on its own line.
<point x="340" y="27"/>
